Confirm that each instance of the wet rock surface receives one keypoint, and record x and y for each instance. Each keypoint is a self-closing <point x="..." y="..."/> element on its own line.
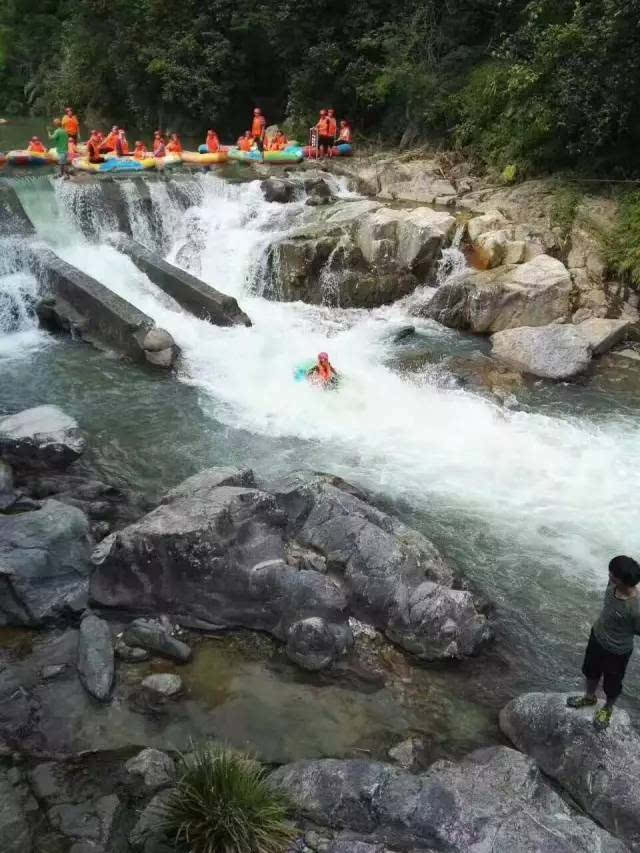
<point x="95" y="657"/>
<point x="42" y="437"/>
<point x="495" y="798"/>
<point x="599" y="769"/>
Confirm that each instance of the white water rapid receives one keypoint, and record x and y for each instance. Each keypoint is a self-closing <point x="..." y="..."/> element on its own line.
<point x="559" y="492"/>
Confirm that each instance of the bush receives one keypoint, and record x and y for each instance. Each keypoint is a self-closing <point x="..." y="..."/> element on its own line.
<point x="622" y="244"/>
<point x="223" y="804"/>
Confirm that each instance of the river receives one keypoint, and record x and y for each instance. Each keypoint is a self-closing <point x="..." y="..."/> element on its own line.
<point x="529" y="502"/>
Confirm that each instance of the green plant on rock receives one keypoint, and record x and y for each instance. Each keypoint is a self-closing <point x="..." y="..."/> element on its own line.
<point x="564" y="209"/>
<point x="621" y="245"/>
<point x="224" y="804"/>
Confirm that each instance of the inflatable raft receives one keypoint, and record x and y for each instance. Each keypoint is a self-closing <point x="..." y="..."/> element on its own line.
<point x="27" y="158"/>
<point x="126" y="164"/>
<point x="342" y="150"/>
<point x="204" y="158"/>
<point x="289" y="155"/>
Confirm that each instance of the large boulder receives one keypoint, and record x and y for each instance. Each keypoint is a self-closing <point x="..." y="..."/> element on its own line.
<point x="392" y="576"/>
<point x="42" y="437"/>
<point x="417" y="180"/>
<point x="215" y="560"/>
<point x="551" y="352"/>
<point x="495" y="799"/>
<point x="601" y="771"/>
<point x="603" y="334"/>
<point x="16" y="828"/>
<point x="493" y="220"/>
<point x="532" y="294"/>
<point x="277" y="189"/>
<point x="95" y="657"/>
<point x="44" y="564"/>
<point x="7" y="495"/>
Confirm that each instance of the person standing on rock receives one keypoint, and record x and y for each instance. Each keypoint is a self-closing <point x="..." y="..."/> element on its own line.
<point x="60" y="139"/>
<point x="611" y="642"/>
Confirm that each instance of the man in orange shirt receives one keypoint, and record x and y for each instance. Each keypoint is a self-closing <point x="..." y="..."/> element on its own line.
<point x="324" y="138"/>
<point x="333" y="126"/>
<point x="258" y="127"/>
<point x="71" y="124"/>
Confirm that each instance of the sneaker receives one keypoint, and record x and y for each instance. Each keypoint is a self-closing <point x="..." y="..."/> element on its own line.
<point x="602" y="718"/>
<point x="581" y="701"/>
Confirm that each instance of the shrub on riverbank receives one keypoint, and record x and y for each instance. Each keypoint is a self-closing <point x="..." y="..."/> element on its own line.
<point x="223" y="802"/>
<point x="622" y="243"/>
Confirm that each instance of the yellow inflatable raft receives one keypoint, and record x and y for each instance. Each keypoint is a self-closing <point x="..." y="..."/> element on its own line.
<point x="195" y="158"/>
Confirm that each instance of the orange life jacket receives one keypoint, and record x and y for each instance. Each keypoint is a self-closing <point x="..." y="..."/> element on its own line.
<point x="109" y="142"/>
<point x="93" y="150"/>
<point x="36" y="147"/>
<point x="279" y="143"/>
<point x="324" y="126"/>
<point x="140" y="152"/>
<point x="346" y="135"/>
<point x="213" y="143"/>
<point x="333" y="126"/>
<point x="175" y="147"/>
<point x="245" y="144"/>
<point x="159" y="149"/>
<point x="70" y="124"/>
<point x="257" y="126"/>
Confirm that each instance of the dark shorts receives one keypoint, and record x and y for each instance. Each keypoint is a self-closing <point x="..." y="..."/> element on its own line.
<point x="599" y="663"/>
<point x="259" y="141"/>
<point x="325" y="142"/>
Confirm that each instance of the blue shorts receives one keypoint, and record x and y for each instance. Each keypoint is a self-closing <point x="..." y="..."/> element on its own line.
<point x="63" y="159"/>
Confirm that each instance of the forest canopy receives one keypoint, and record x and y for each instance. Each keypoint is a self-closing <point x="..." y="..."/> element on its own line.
<point x="543" y="84"/>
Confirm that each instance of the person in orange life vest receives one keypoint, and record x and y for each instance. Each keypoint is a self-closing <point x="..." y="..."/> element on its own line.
<point x="346" y="134"/>
<point x="258" y="127"/>
<point x="323" y="373"/>
<point x="174" y="146"/>
<point x="245" y="143"/>
<point x="213" y="143"/>
<point x="71" y="124"/>
<point x="94" y="146"/>
<point x="159" y="149"/>
<point x="333" y="126"/>
<point x="324" y="138"/>
<point x="36" y="146"/>
<point x="73" y="148"/>
<point x="280" y="141"/>
<point x="109" y="142"/>
<point x="122" y="145"/>
<point x="140" y="151"/>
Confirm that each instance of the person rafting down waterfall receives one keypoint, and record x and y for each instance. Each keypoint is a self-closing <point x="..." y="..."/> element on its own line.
<point x="93" y="147"/>
<point x="174" y="146"/>
<point x="159" y="149"/>
<point x="36" y="146"/>
<point x="122" y="143"/>
<point x="140" y="151"/>
<point x="323" y="373"/>
<point x="245" y="143"/>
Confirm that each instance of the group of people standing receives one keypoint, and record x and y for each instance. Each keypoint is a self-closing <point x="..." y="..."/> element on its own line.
<point x="325" y="134"/>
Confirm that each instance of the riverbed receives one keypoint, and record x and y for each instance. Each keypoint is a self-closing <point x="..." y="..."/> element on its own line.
<point x="529" y="501"/>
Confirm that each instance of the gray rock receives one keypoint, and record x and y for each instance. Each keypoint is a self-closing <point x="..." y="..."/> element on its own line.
<point x="130" y="654"/>
<point x="7" y="495"/>
<point x="15" y="827"/>
<point x="86" y="847"/>
<point x="602" y="334"/>
<point x="551" y="352"/>
<point x="155" y="635"/>
<point x="157" y="340"/>
<point x="491" y="249"/>
<point x="163" y="358"/>
<point x="346" y="845"/>
<point x="95" y="657"/>
<point x="146" y="828"/>
<point x="53" y="671"/>
<point x="156" y="768"/>
<point x="394" y="578"/>
<point x="408" y="753"/>
<point x="164" y="683"/>
<point x="44" y="564"/>
<point x="278" y="190"/>
<point x="204" y="482"/>
<point x="314" y="644"/>
<point x="215" y="561"/>
<point x="41" y="437"/>
<point x="495" y="799"/>
<point x="599" y="770"/>
<point x="418" y="180"/>
<point x="493" y="220"/>
<point x="88" y="821"/>
<point x="535" y="293"/>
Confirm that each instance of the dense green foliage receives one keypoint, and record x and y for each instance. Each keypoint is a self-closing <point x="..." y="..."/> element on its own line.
<point x="222" y="802"/>
<point x="531" y="83"/>
<point x="622" y="243"/>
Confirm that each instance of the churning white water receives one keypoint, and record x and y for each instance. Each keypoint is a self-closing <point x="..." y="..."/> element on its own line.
<point x="560" y="488"/>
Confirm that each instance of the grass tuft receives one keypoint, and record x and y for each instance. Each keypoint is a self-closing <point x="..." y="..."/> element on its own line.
<point x="223" y="804"/>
